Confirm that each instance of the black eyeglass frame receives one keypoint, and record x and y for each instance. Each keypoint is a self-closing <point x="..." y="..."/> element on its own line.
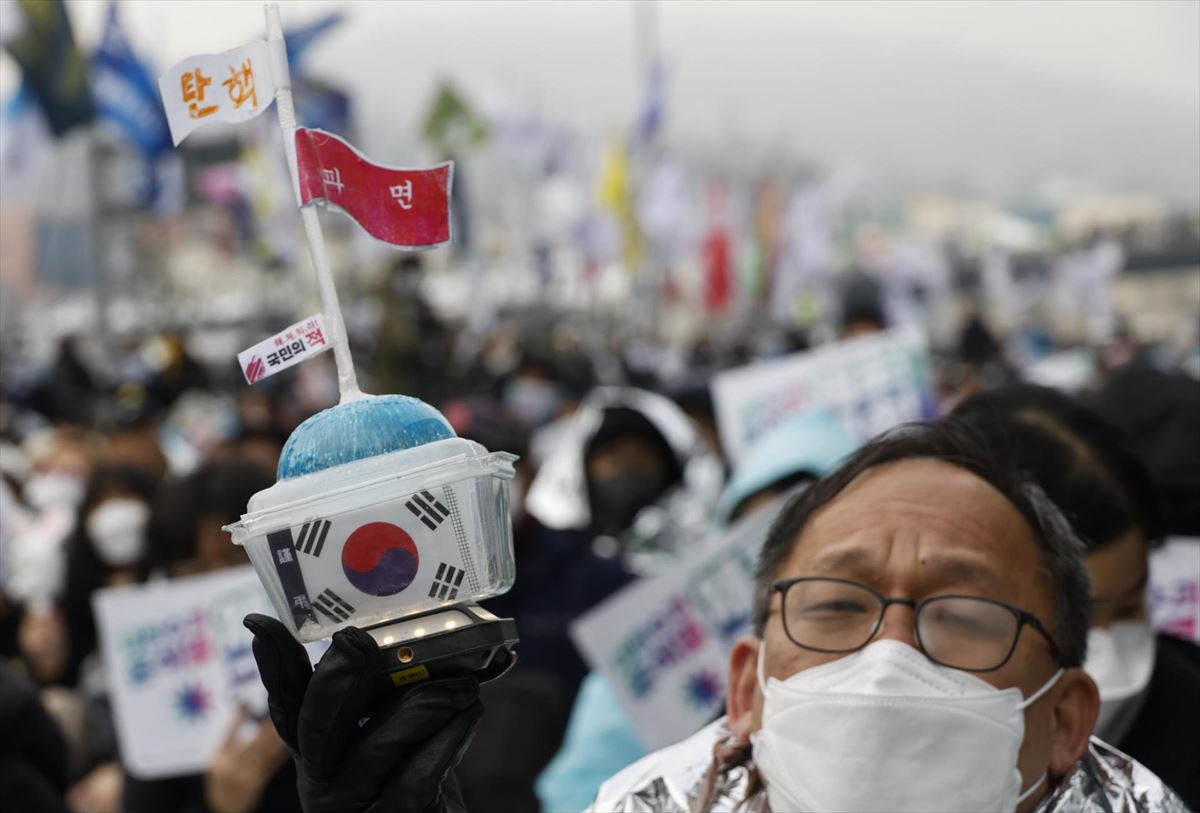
<point x="1023" y="617"/>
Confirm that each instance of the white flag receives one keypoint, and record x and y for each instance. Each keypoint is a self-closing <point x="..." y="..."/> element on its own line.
<point x="231" y="87"/>
<point x="292" y="345"/>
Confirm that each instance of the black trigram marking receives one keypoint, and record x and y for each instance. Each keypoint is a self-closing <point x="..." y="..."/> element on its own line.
<point x="446" y="582"/>
<point x="330" y="604"/>
<point x="312" y="537"/>
<point x="425" y="507"/>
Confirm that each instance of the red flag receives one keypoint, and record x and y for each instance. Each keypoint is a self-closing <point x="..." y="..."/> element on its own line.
<point x="718" y="288"/>
<point x="409" y="208"/>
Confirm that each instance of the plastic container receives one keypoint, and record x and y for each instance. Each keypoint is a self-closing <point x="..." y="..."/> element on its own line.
<point x="384" y="537"/>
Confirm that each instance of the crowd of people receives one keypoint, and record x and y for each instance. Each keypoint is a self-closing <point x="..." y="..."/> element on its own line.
<point x="1003" y="547"/>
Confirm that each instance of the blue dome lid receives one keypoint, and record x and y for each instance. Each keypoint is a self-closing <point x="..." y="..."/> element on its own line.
<point x="354" y="430"/>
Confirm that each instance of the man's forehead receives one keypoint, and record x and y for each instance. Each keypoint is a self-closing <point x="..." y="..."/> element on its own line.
<point x="923" y="482"/>
<point x="918" y="494"/>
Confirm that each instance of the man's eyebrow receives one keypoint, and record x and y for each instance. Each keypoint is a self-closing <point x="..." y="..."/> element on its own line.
<point x="963" y="570"/>
<point x="852" y="559"/>
<point x="943" y="568"/>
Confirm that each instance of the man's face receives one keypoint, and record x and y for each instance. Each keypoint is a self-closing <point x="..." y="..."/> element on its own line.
<point x="625" y="474"/>
<point x="1119" y="572"/>
<point x="919" y="528"/>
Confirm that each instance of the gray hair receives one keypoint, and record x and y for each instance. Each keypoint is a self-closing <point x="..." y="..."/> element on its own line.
<point x="1064" y="573"/>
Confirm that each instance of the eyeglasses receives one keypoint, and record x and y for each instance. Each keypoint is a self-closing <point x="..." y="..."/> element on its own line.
<point x="971" y="633"/>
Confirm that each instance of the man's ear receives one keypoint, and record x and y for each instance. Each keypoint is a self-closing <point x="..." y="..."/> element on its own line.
<point x="741" y="704"/>
<point x="1074" y="718"/>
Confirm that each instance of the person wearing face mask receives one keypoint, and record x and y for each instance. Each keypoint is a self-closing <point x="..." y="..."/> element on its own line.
<point x="601" y="737"/>
<point x="107" y="548"/>
<point x="921" y="623"/>
<point x="1149" y="702"/>
<point x="623" y="450"/>
<point x="251" y="773"/>
<point x="61" y="462"/>
<point x="532" y="395"/>
<point x="629" y="466"/>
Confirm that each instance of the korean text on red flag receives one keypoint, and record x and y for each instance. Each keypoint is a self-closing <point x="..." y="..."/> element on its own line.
<point x="292" y="345"/>
<point x="407" y="208"/>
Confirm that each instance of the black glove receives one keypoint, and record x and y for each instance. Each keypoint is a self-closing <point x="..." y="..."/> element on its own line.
<point x="361" y="744"/>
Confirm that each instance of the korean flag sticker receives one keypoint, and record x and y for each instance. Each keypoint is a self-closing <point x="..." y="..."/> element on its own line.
<point x="408" y="554"/>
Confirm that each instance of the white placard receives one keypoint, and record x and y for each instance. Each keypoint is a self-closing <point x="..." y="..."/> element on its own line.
<point x="179" y="663"/>
<point x="288" y="347"/>
<point x="663" y="643"/>
<point x="871" y="383"/>
<point x="230" y="87"/>
<point x="1175" y="587"/>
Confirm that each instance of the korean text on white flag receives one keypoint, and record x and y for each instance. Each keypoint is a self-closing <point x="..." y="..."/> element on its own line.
<point x="292" y="345"/>
<point x="230" y="87"/>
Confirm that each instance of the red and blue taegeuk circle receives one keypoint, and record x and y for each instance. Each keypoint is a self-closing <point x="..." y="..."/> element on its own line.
<point x="380" y="559"/>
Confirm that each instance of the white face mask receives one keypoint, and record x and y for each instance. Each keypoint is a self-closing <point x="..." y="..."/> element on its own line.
<point x="886" y="729"/>
<point x="1121" y="660"/>
<point x="52" y="488"/>
<point x="117" y="528"/>
<point x="532" y="400"/>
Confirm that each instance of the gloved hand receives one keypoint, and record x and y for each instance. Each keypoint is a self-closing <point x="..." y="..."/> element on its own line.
<point x="361" y="744"/>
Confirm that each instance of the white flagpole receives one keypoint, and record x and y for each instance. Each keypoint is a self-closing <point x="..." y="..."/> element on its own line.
<point x="347" y="379"/>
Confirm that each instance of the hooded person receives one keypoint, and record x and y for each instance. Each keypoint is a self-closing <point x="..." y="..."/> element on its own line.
<point x="633" y="472"/>
<point x="600" y="738"/>
<point x="920" y="627"/>
<point x="626" y="452"/>
<point x="1148" y="700"/>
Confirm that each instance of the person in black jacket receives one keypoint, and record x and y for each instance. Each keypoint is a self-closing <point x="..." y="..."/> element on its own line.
<point x="33" y="753"/>
<point x="1150" y="706"/>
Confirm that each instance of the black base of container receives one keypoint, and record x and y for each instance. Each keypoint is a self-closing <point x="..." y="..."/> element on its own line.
<point x="486" y="646"/>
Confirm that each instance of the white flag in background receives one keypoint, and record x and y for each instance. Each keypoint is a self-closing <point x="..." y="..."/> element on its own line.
<point x="230" y="87"/>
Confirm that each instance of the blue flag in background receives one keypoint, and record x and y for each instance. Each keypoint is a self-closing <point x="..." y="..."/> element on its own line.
<point x="298" y="39"/>
<point x="126" y="93"/>
<point x="650" y="118"/>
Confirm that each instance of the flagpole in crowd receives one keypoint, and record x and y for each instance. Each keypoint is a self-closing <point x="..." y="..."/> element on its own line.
<point x="284" y="106"/>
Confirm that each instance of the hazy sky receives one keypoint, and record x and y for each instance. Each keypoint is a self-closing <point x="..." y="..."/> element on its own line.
<point x="1000" y="92"/>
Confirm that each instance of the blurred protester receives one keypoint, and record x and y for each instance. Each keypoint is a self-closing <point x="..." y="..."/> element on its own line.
<point x="527" y="709"/>
<point x="696" y="401"/>
<point x="61" y="461"/>
<point x="1160" y="412"/>
<point x="189" y="513"/>
<point x="133" y="431"/>
<point x="259" y="446"/>
<point x="174" y="370"/>
<point x="977" y="347"/>
<point x="862" y="690"/>
<point x="574" y="375"/>
<point x="600" y="739"/>
<point x="1148" y="700"/>
<point x="66" y="392"/>
<point x="626" y="451"/>
<point x="251" y="771"/>
<point x="862" y="305"/>
<point x="107" y="548"/>
<point x="978" y="362"/>
<point x="634" y="474"/>
<point x="412" y="346"/>
<point x="33" y="755"/>
<point x="801" y="449"/>
<point x="532" y="393"/>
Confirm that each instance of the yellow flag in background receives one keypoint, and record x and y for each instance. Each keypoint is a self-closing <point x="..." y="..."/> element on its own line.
<point x="615" y="193"/>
